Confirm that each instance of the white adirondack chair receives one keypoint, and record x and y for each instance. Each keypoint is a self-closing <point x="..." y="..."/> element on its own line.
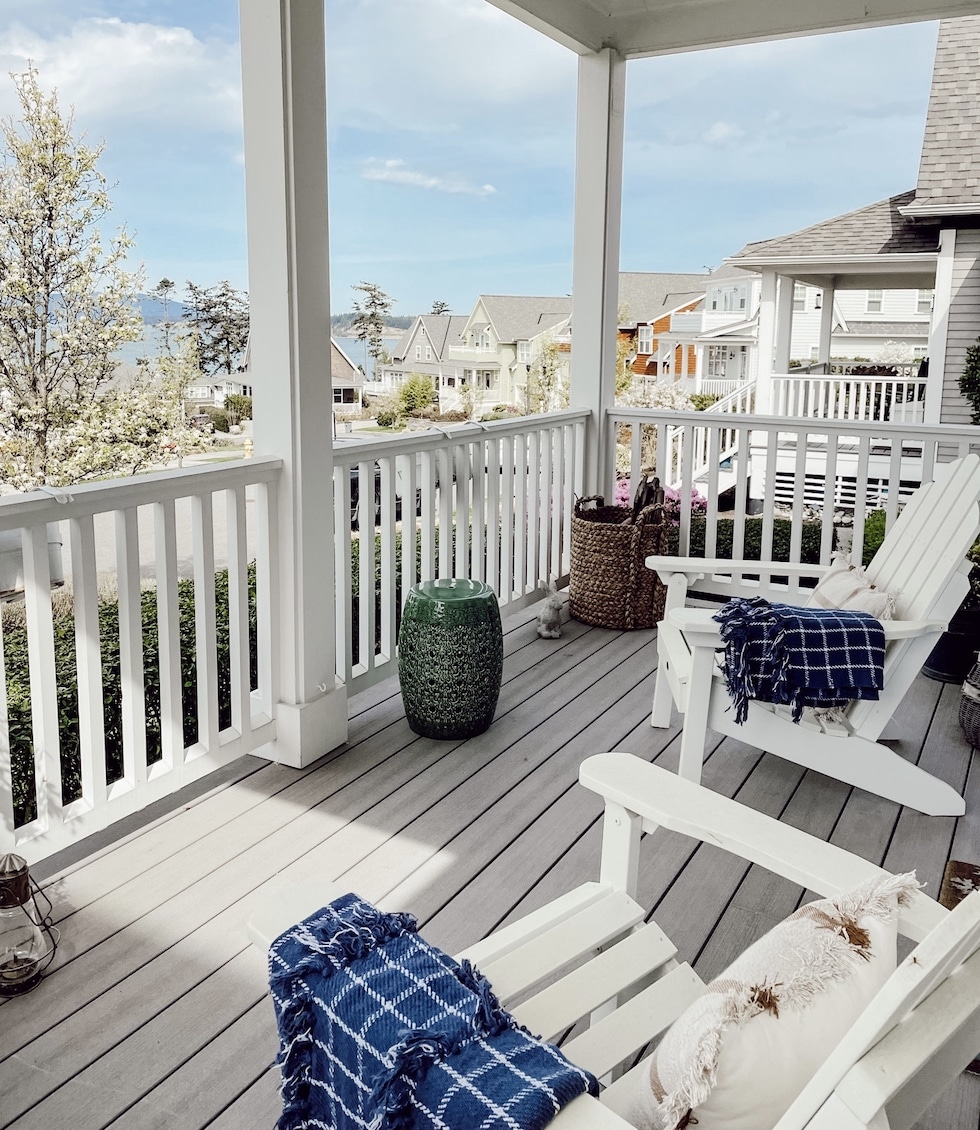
<point x="626" y="983"/>
<point x="922" y="559"/>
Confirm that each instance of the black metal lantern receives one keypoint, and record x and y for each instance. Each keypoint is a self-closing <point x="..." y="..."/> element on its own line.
<point x="27" y="938"/>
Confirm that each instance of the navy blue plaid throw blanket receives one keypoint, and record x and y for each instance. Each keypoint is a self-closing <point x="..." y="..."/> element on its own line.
<point x="382" y="1031"/>
<point x="820" y="657"/>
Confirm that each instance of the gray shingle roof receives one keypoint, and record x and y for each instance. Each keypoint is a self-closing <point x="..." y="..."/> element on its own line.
<point x="522" y="317"/>
<point x="949" y="170"/>
<point x="342" y="369"/>
<point x="443" y="331"/>
<point x="877" y="229"/>
<point x="645" y="296"/>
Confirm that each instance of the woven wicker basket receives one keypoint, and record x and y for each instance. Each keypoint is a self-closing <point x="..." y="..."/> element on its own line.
<point x="609" y="586"/>
<point x="970" y="706"/>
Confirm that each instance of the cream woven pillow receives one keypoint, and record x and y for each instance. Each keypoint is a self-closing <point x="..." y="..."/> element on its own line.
<point x="847" y="586"/>
<point x="740" y="1054"/>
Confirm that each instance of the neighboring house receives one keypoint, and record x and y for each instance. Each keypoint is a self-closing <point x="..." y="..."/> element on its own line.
<point x="648" y="302"/>
<point x="721" y="333"/>
<point x="501" y="344"/>
<point x="346" y="379"/>
<point x="924" y="243"/>
<point x="424" y="348"/>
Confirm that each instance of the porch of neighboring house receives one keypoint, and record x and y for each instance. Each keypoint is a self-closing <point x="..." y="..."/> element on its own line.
<point x="155" y="1013"/>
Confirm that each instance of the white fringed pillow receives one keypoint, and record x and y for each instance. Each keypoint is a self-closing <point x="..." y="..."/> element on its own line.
<point x="738" y="1056"/>
<point x="847" y="586"/>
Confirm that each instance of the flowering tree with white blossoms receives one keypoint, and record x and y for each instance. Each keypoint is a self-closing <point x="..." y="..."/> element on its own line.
<point x="66" y="305"/>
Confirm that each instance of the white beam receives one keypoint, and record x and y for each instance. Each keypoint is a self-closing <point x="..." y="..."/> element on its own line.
<point x="284" y="96"/>
<point x="767" y="342"/>
<point x="595" y="271"/>
<point x="828" y="298"/>
<point x="663" y="27"/>
<point x="939" y="327"/>
<point x="784" y="323"/>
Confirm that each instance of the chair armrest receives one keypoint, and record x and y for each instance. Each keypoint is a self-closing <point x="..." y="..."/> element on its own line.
<point x="697" y="567"/>
<point x="661" y="798"/>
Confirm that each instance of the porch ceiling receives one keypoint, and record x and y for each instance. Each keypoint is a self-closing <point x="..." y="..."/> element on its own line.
<point x="637" y="28"/>
<point x="851" y="272"/>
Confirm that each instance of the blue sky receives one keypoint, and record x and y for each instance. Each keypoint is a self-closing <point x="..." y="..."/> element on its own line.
<point x="452" y="139"/>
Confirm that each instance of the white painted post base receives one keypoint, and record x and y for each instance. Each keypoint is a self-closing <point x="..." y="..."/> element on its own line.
<point x="307" y="731"/>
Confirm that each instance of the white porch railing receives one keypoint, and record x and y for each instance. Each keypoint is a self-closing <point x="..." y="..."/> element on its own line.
<point x="491" y="502"/>
<point x="777" y="490"/>
<point x="849" y="397"/>
<point x="116" y="692"/>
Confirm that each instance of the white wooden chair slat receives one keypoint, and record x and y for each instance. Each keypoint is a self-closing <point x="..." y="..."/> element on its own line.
<point x="922" y="560"/>
<point x="567" y="941"/>
<point x="920" y="1029"/>
<point x="559" y="1006"/>
<point x="636" y="1022"/>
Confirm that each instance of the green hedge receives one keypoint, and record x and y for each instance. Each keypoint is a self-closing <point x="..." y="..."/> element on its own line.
<point x="19" y="691"/>
<point x="782" y="532"/>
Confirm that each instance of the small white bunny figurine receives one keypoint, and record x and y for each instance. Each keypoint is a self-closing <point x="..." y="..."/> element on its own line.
<point x="549" y="618"/>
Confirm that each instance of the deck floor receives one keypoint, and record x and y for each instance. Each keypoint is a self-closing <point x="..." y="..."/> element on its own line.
<point x="156" y="1014"/>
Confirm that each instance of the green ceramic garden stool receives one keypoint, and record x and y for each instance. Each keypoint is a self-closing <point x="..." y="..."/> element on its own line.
<point x="450" y="658"/>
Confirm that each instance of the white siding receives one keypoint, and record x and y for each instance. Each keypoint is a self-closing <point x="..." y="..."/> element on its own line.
<point x="964" y="323"/>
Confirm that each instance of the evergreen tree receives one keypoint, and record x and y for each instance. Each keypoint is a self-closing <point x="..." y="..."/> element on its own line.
<point x="439" y="308"/>
<point x="370" y="318"/>
<point x="970" y="381"/>
<point x="218" y="317"/>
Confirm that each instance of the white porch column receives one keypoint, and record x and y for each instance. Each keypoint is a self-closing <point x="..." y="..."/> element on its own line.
<point x="595" y="270"/>
<point x="767" y="342"/>
<point x="284" y="95"/>
<point x="784" y="323"/>
<point x="825" y="341"/>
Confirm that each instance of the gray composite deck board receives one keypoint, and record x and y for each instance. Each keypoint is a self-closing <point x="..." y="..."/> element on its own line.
<point x="156" y="1015"/>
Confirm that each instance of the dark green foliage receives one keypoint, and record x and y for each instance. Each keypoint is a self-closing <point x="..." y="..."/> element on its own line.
<point x="415" y="394"/>
<point x="702" y="400"/>
<point x="782" y="529"/>
<point x="18" y="686"/>
<point x="970" y="381"/>
<point x="874" y="534"/>
<point x="219" y="418"/>
<point x="387" y="418"/>
<point x="238" y="407"/>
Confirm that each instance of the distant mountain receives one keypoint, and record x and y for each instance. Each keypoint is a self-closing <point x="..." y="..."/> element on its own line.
<point x="152" y="310"/>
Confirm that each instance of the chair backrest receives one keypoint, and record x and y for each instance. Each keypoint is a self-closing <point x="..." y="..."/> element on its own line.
<point x="926" y="545"/>
<point x="916" y="1035"/>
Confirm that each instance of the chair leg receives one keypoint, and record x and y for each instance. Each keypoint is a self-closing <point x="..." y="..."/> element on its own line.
<point x="696" y="718"/>
<point x="663" y="697"/>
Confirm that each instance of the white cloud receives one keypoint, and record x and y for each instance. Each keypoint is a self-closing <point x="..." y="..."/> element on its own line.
<point x="397" y="172"/>
<point x="719" y="133"/>
<point x="114" y="72"/>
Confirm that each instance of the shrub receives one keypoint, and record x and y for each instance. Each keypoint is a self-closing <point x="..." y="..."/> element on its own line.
<point x="387" y="418"/>
<point x="18" y="684"/>
<point x="782" y="531"/>
<point x="415" y="394"/>
<point x="219" y="418"/>
<point x="702" y="400"/>
<point x="238" y="407"/>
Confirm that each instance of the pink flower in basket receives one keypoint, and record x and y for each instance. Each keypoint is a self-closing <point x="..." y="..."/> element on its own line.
<point x="672" y="499"/>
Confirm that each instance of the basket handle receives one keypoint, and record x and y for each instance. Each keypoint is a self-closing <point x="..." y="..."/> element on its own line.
<point x="650" y="515"/>
<point x="598" y="499"/>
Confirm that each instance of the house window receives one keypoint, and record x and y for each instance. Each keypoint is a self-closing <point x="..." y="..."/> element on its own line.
<point x="428" y="353"/>
<point x="481" y="341"/>
<point x="484" y="378"/>
<point x="799" y="297"/>
<point x="923" y="304"/>
<point x="717" y="361"/>
<point x="874" y="302"/>
<point x="524" y="352"/>
<point x="418" y="352"/>
<point x="919" y="351"/>
<point x="644" y="339"/>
